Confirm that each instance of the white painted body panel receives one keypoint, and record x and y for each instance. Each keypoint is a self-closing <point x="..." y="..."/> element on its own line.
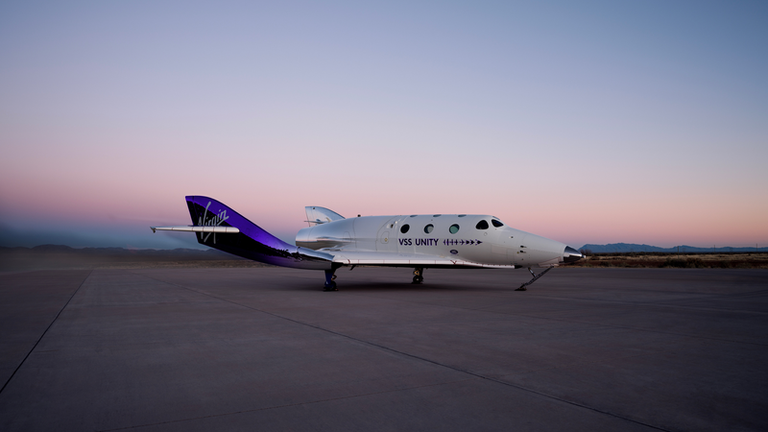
<point x="379" y="240"/>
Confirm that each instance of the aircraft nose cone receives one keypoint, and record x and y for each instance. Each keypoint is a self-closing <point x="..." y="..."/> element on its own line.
<point x="571" y="255"/>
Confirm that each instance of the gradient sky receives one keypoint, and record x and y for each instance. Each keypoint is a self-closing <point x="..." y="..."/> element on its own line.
<point x="585" y="122"/>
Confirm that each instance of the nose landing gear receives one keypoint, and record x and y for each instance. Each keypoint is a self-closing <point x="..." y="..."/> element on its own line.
<point x="535" y="277"/>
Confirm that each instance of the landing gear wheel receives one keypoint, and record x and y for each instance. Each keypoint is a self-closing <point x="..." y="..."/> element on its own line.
<point x="330" y="280"/>
<point x="417" y="275"/>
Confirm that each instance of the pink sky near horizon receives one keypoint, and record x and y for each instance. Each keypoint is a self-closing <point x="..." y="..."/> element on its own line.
<point x="585" y="125"/>
<point x="578" y="217"/>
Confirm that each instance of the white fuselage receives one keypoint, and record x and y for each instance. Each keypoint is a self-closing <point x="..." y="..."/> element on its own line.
<point x="480" y="240"/>
<point x="415" y="241"/>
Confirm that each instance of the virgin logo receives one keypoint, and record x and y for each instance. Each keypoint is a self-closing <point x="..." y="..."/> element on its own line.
<point x="213" y="220"/>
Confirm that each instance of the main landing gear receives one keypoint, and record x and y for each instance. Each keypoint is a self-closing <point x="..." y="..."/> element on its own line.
<point x="417" y="275"/>
<point x="330" y="280"/>
<point x="535" y="276"/>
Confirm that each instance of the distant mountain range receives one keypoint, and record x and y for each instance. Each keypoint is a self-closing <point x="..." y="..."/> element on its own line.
<point x="64" y="257"/>
<point x="631" y="247"/>
<point x="189" y="254"/>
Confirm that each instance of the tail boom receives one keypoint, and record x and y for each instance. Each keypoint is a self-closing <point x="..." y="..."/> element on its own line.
<point x="220" y="227"/>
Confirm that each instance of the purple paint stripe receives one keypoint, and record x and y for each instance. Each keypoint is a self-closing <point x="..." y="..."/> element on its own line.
<point x="235" y="219"/>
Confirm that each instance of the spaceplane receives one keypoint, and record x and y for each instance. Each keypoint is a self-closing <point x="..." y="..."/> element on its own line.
<point x="331" y="241"/>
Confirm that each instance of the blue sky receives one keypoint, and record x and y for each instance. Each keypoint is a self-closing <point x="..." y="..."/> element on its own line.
<point x="586" y="122"/>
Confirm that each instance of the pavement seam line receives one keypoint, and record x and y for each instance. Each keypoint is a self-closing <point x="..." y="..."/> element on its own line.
<point x="282" y="406"/>
<point x="45" y="331"/>
<point x="413" y="356"/>
<point x="638" y="329"/>
<point x="638" y="303"/>
<point x="485" y="310"/>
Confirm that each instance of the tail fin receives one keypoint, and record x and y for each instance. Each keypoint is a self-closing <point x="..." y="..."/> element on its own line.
<point x="251" y="241"/>
<point x="320" y="215"/>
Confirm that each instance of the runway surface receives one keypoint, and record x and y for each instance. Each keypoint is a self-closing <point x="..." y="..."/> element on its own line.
<point x="265" y="349"/>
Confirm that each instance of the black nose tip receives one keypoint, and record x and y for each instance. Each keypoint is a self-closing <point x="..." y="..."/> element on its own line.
<point x="571" y="255"/>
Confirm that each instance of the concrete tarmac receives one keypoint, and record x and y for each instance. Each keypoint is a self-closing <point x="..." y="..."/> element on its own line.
<point x="265" y="349"/>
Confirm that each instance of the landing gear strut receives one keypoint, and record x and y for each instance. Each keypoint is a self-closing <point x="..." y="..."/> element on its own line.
<point x="417" y="275"/>
<point x="330" y="278"/>
<point x="535" y="277"/>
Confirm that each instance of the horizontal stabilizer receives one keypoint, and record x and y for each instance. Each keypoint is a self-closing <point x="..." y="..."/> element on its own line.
<point x="199" y="229"/>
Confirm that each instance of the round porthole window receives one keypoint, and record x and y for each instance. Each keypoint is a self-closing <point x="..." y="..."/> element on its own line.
<point x="428" y="229"/>
<point x="404" y="229"/>
<point x="454" y="228"/>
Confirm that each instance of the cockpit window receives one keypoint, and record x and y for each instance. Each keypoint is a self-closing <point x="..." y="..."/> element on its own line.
<point x="497" y="223"/>
<point x="482" y="225"/>
<point x="428" y="229"/>
<point x="404" y="229"/>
